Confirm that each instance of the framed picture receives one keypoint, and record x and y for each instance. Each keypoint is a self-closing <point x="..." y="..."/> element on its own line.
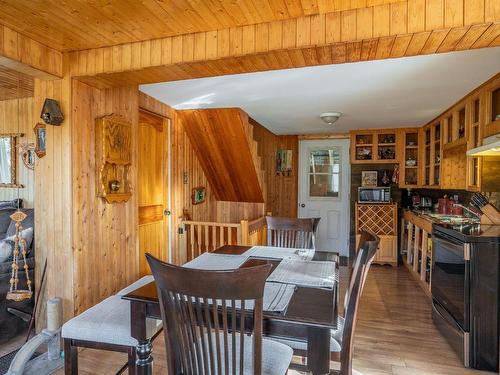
<point x="40" y="140"/>
<point x="198" y="195"/>
<point x="369" y="178"/>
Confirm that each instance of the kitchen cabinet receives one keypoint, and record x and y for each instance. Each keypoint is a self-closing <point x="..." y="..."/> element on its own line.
<point x="474" y="136"/>
<point x="430" y="140"/>
<point x="416" y="248"/>
<point x="374" y="146"/>
<point x="382" y="220"/>
<point x="492" y="108"/>
<point x="409" y="165"/>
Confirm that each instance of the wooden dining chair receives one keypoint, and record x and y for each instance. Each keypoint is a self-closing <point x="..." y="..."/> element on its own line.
<point x="204" y="337"/>
<point x="342" y="339"/>
<point x="291" y="232"/>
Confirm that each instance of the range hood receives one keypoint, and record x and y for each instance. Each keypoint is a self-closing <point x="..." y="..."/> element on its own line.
<point x="490" y="147"/>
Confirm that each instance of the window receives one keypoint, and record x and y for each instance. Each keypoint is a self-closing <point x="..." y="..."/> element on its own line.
<point x="324" y="173"/>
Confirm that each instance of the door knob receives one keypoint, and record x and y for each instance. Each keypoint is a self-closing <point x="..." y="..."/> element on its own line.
<point x="302" y="205"/>
<point x="166" y="212"/>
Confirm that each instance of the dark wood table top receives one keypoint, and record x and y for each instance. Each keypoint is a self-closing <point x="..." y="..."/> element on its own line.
<point x="310" y="306"/>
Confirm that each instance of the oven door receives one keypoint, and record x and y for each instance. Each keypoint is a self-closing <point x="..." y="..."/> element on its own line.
<point x="450" y="277"/>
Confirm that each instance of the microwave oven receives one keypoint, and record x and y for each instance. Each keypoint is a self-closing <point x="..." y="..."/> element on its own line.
<point x="374" y="195"/>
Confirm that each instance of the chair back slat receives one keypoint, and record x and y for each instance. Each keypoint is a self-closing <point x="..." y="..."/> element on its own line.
<point x="203" y="312"/>
<point x="290" y="232"/>
<point x="366" y="252"/>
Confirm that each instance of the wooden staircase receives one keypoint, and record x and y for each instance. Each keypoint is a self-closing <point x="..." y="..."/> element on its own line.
<point x="224" y="143"/>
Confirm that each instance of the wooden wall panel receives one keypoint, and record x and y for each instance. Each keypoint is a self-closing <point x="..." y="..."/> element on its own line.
<point x="281" y="191"/>
<point x="104" y="235"/>
<point x="234" y="212"/>
<point x="28" y="56"/>
<point x="16" y="116"/>
<point x="187" y="173"/>
<point x="54" y="203"/>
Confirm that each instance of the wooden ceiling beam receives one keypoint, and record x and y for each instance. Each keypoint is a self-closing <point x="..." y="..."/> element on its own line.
<point x="406" y="28"/>
<point x="27" y="56"/>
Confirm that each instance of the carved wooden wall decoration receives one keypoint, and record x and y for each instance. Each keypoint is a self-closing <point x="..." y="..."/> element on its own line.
<point x="113" y="158"/>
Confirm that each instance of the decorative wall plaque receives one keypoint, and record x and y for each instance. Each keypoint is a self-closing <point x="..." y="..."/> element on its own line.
<point x="113" y="158"/>
<point x="198" y="195"/>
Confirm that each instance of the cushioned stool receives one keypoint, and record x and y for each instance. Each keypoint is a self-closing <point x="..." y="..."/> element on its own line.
<point x="104" y="326"/>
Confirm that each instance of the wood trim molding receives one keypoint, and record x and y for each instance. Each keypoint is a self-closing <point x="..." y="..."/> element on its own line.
<point x="406" y="28"/>
<point x="28" y="56"/>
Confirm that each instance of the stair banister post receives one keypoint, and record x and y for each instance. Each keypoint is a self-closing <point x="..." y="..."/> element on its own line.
<point x="243" y="235"/>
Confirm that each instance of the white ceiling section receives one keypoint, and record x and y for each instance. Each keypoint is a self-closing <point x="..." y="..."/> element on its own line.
<point x="374" y="94"/>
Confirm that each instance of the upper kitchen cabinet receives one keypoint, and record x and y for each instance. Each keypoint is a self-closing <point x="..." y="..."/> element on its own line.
<point x="409" y="165"/>
<point x="430" y="140"/>
<point x="492" y="108"/>
<point x="475" y="119"/>
<point x="374" y="146"/>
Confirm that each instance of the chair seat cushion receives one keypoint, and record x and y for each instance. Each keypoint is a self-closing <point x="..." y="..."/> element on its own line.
<point x="276" y="357"/>
<point x="107" y="322"/>
<point x="335" y="339"/>
<point x="335" y="346"/>
<point x="136" y="285"/>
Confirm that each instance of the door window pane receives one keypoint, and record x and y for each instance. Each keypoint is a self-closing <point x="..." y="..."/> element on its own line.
<point x="324" y="172"/>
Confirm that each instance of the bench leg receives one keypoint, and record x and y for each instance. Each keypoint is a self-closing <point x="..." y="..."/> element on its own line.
<point x="132" y="357"/>
<point x="70" y="358"/>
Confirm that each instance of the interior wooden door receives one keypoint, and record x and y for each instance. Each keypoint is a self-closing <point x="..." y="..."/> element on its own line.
<point x="152" y="188"/>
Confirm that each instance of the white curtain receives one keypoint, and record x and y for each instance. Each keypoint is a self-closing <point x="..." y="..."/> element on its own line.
<point x="5" y="156"/>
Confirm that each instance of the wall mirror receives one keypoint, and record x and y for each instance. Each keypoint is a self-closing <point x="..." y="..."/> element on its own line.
<point x="8" y="159"/>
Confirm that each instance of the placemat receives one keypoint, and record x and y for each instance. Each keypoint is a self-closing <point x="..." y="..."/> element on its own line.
<point x="216" y="262"/>
<point x="279" y="253"/>
<point x="305" y="273"/>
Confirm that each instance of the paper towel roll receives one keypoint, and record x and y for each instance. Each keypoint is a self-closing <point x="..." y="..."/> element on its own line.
<point x="54" y="314"/>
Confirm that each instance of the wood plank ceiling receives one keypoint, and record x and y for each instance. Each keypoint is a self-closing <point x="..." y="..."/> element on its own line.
<point x="77" y="25"/>
<point x="14" y="85"/>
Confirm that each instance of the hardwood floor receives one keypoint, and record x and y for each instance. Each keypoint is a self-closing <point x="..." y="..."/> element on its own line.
<point x="394" y="334"/>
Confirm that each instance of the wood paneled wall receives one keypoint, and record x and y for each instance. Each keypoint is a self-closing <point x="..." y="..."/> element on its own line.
<point x="234" y="212"/>
<point x="29" y="56"/>
<point x="54" y="204"/>
<point x="16" y="116"/>
<point x="281" y="192"/>
<point x="104" y="235"/>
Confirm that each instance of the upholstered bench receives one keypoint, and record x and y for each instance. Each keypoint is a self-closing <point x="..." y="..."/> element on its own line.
<point x="105" y="326"/>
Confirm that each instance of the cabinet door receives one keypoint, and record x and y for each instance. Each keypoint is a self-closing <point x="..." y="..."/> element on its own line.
<point x="387" y="252"/>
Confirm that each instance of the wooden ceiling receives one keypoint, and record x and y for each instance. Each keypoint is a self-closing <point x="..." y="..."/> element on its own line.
<point x="14" y="85"/>
<point x="75" y="25"/>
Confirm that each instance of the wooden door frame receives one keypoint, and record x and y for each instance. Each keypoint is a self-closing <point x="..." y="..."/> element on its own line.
<point x="167" y="124"/>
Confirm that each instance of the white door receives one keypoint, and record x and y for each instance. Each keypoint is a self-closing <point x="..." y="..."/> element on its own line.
<point x="324" y="185"/>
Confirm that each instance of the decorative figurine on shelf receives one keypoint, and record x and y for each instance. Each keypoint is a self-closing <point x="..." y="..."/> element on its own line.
<point x="395" y="174"/>
<point x="16" y="294"/>
<point x="385" y="179"/>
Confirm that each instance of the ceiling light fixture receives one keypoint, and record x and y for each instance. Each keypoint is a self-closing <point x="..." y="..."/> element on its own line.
<point x="330" y="117"/>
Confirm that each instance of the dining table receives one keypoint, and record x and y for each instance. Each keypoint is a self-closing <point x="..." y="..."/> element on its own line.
<point x="310" y="316"/>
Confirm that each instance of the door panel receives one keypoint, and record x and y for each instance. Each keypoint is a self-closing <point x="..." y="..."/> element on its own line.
<point x="324" y="182"/>
<point x="152" y="188"/>
<point x="333" y="224"/>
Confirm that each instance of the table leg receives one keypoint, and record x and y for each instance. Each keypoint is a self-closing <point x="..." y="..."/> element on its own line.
<point x="144" y="362"/>
<point x="318" y="350"/>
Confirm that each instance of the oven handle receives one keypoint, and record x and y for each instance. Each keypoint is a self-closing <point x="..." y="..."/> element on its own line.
<point x="446" y="237"/>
